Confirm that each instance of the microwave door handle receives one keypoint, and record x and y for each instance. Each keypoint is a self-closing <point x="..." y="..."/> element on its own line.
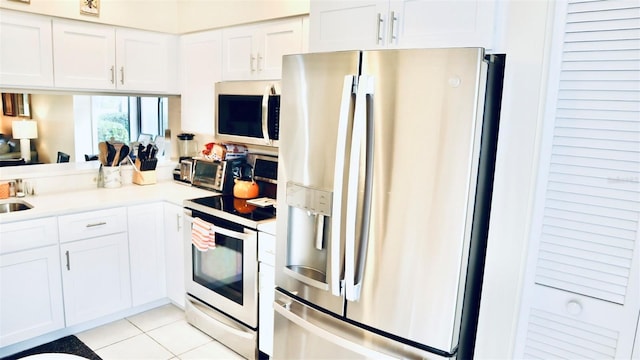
<point x="362" y="131"/>
<point x="338" y="184"/>
<point x="268" y="91"/>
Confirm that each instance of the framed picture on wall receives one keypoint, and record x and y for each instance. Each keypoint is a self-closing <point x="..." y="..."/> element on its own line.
<point x="8" y="104"/>
<point x="90" y="7"/>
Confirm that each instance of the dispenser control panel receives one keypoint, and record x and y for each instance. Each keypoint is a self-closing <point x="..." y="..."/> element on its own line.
<point x="314" y="200"/>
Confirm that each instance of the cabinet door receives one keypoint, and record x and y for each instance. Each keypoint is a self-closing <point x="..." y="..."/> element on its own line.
<point x="31" y="291"/>
<point x="267" y="280"/>
<point x="347" y="25"/>
<point x="441" y="23"/>
<point x="25" y="50"/>
<point x="239" y="56"/>
<point x="174" y="250"/>
<point x="275" y="40"/>
<point x="95" y="277"/>
<point x="142" y="60"/>
<point x="84" y="55"/>
<point x="201" y="68"/>
<point x="146" y="249"/>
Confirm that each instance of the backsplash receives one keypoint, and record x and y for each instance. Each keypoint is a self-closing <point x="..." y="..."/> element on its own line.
<point x="59" y="178"/>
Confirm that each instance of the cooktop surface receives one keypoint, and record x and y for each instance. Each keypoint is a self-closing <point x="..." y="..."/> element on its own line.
<point x="237" y="207"/>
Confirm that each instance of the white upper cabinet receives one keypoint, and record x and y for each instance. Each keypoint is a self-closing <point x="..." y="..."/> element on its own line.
<point x="349" y="25"/>
<point x="145" y="60"/>
<point x="200" y="69"/>
<point x="84" y="55"/>
<point x="92" y="56"/>
<point x="25" y="50"/>
<point x="255" y="51"/>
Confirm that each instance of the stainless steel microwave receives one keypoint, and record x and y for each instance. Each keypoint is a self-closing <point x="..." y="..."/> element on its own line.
<point x="248" y="112"/>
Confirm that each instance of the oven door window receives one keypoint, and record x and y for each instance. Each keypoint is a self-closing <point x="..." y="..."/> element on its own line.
<point x="220" y="269"/>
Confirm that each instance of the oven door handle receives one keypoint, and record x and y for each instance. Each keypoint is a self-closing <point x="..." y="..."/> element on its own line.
<point x="247" y="234"/>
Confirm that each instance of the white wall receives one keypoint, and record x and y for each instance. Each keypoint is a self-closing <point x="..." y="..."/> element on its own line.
<point x="525" y="41"/>
<point x="54" y="114"/>
<point x="157" y="15"/>
<point x="194" y="15"/>
<point x="169" y="16"/>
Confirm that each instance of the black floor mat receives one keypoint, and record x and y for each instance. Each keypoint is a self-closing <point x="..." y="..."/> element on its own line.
<point x="67" y="345"/>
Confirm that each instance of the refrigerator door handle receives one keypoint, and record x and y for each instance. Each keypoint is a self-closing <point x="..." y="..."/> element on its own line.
<point x="269" y="90"/>
<point x="362" y="131"/>
<point x="338" y="184"/>
<point x="285" y="310"/>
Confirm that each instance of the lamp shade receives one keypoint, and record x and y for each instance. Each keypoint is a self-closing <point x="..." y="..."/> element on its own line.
<point x="25" y="129"/>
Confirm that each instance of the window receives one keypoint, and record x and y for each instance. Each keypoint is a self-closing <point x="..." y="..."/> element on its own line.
<point x="117" y="118"/>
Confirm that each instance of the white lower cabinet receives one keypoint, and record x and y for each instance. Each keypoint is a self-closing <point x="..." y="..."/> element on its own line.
<point x="174" y="253"/>
<point x="267" y="284"/>
<point x="94" y="253"/>
<point x="30" y="286"/>
<point x="146" y="251"/>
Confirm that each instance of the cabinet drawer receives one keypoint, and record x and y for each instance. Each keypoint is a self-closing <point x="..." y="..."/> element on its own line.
<point x="92" y="224"/>
<point x="267" y="248"/>
<point x="30" y="234"/>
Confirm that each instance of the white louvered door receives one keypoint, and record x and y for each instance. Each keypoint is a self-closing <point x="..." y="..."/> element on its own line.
<point x="581" y="298"/>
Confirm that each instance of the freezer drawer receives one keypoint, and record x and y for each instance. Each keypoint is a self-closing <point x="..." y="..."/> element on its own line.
<point x="302" y="332"/>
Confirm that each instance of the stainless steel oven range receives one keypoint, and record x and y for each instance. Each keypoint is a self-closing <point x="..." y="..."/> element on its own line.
<point x="222" y="282"/>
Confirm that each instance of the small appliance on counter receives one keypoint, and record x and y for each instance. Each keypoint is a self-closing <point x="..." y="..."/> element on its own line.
<point x="187" y="146"/>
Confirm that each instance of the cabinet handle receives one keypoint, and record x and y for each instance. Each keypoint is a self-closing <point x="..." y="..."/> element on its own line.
<point x="113" y="74"/>
<point x="178" y="222"/>
<point x="68" y="263"/>
<point x="122" y="75"/>
<point x="96" y="224"/>
<point x="252" y="59"/>
<point x="392" y="26"/>
<point x="259" y="58"/>
<point x="378" y="33"/>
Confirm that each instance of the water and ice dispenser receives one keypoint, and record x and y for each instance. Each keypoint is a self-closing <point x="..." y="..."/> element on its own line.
<point x="309" y="234"/>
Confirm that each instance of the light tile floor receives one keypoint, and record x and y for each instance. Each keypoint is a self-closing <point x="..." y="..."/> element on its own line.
<point x="160" y="333"/>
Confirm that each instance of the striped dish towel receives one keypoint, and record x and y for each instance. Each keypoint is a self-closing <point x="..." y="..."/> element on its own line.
<point x="203" y="235"/>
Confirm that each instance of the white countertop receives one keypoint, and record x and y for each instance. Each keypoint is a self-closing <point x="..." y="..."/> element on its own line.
<point x="101" y="198"/>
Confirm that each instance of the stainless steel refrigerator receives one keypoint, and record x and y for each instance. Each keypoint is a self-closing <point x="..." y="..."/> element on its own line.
<point x="385" y="176"/>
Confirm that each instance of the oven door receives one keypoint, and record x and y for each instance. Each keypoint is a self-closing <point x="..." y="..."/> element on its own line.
<point x="224" y="277"/>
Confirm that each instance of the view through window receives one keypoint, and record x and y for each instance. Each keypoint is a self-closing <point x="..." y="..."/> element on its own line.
<point x="124" y="118"/>
<point x="118" y="118"/>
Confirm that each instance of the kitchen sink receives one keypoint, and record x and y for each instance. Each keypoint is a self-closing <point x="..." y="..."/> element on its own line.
<point x="7" y="206"/>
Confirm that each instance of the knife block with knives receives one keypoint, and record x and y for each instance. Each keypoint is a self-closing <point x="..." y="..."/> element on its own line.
<point x="145" y="165"/>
